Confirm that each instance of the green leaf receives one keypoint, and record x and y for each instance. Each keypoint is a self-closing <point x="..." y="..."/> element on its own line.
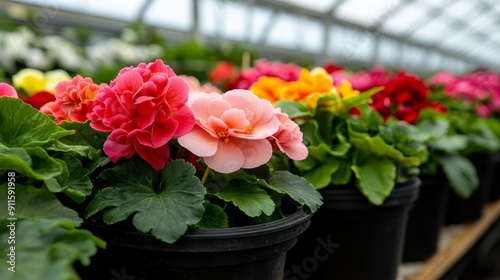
<point x="249" y="198"/>
<point x="213" y="217"/>
<point x="33" y="203"/>
<point x="482" y="139"/>
<point x="83" y="142"/>
<point x="461" y="174"/>
<point x="375" y="178"/>
<point x="450" y="144"/>
<point x="435" y="128"/>
<point x="306" y="164"/>
<point x="23" y="126"/>
<point x="293" y="109"/>
<point x="310" y="133"/>
<point x="45" y="251"/>
<point x="362" y="98"/>
<point x="73" y="181"/>
<point x="320" y="177"/>
<point x="371" y="117"/>
<point x="33" y="162"/>
<point x="164" y="203"/>
<point x="343" y="174"/>
<point x="297" y="188"/>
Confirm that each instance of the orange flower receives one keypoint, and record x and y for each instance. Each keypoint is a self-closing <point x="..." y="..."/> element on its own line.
<point x="269" y="88"/>
<point x="315" y="82"/>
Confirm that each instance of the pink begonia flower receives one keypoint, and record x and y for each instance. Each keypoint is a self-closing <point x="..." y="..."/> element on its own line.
<point x="143" y="108"/>
<point x="195" y="86"/>
<point x="74" y="100"/>
<point x="7" y="90"/>
<point x="288" y="138"/>
<point x="441" y="78"/>
<point x="483" y="110"/>
<point x="285" y="71"/>
<point x="231" y="130"/>
<point x="363" y="80"/>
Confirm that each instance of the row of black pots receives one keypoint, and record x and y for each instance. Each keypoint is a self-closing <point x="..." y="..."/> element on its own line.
<point x="348" y="238"/>
<point x="439" y="206"/>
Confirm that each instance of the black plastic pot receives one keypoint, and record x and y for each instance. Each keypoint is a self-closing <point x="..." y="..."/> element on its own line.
<point x="248" y="253"/>
<point x="466" y="210"/>
<point x="349" y="238"/>
<point x="495" y="182"/>
<point x="426" y="218"/>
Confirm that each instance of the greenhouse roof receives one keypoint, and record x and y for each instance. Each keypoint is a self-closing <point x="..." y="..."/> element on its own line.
<point x="424" y="35"/>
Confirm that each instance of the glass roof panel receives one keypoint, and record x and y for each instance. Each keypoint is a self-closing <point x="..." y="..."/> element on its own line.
<point x="405" y="18"/>
<point x="460" y="8"/>
<point x="456" y="28"/>
<point x="457" y="40"/>
<point x="483" y="21"/>
<point x="311" y="32"/>
<point x="112" y="9"/>
<point x="208" y="19"/>
<point x="171" y="14"/>
<point x="436" y="3"/>
<point x="365" y="12"/>
<point x="234" y="18"/>
<point x="315" y="5"/>
<point x="260" y="17"/>
<point x="432" y="31"/>
<point x="282" y="33"/>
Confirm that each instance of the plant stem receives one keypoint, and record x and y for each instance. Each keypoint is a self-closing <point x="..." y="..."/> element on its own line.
<point x="205" y="175"/>
<point x="180" y="152"/>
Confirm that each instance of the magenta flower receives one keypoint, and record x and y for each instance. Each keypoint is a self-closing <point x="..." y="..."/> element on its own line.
<point x="231" y="130"/>
<point x="143" y="108"/>
<point x="288" y="138"/>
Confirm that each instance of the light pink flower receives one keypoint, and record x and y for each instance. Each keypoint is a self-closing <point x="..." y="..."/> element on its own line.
<point x="195" y="86"/>
<point x="143" y="108"/>
<point x="288" y="138"/>
<point x="74" y="100"/>
<point x="441" y="78"/>
<point x="7" y="90"/>
<point x="231" y="130"/>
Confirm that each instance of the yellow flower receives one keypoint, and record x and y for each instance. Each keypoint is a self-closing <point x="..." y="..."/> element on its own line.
<point x="52" y="78"/>
<point x="269" y="88"/>
<point x="345" y="90"/>
<point x="33" y="81"/>
<point x="316" y="81"/>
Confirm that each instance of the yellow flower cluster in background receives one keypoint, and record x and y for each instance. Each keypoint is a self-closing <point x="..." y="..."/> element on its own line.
<point x="310" y="86"/>
<point x="33" y="81"/>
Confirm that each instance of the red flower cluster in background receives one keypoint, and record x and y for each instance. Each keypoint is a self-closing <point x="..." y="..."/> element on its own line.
<point x="404" y="94"/>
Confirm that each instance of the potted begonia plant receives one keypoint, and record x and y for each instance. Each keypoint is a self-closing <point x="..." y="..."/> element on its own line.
<point x="472" y="101"/>
<point x="363" y="167"/>
<point x="176" y="184"/>
<point x="448" y="168"/>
